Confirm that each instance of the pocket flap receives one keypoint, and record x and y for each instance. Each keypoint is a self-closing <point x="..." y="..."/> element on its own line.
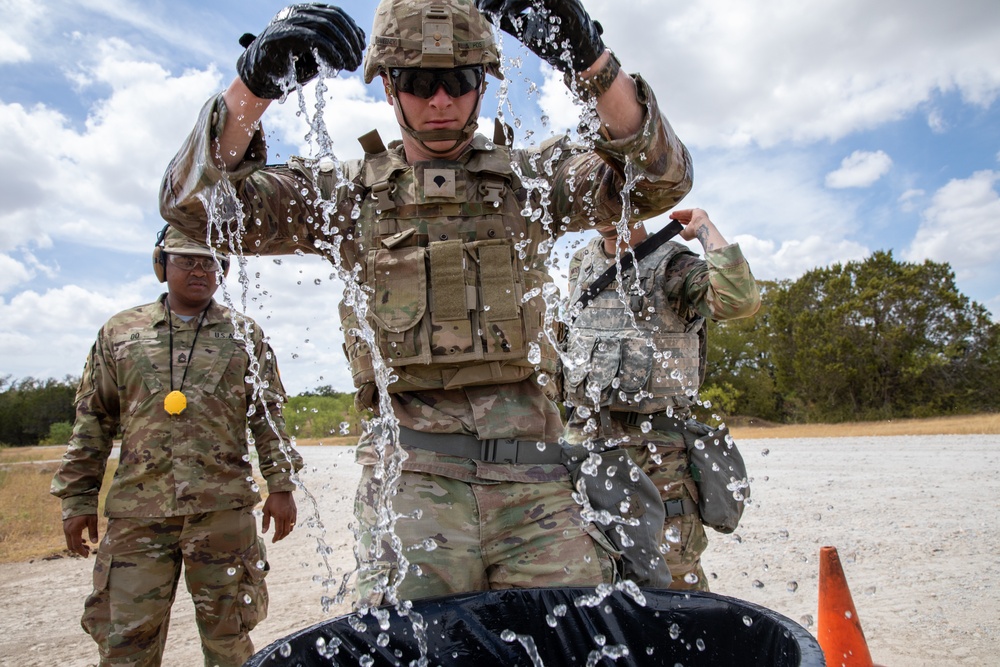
<point x="636" y="364"/>
<point x="400" y="297"/>
<point x="604" y="361"/>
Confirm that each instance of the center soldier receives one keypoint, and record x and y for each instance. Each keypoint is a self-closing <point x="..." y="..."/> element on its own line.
<point x="452" y="246"/>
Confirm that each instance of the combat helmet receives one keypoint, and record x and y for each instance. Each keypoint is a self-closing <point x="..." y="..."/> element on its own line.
<point x="430" y="34"/>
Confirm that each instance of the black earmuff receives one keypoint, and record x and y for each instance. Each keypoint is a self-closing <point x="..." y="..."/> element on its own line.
<point x="160" y="257"/>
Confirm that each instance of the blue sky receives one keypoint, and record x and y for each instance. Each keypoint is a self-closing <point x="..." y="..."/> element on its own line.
<point x="820" y="132"/>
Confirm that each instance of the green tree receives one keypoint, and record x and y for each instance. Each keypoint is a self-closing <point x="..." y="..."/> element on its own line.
<point x="29" y="407"/>
<point x="740" y="375"/>
<point x="322" y="413"/>
<point x="876" y="339"/>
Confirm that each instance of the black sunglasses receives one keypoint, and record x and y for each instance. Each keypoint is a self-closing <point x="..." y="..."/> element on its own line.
<point x="424" y="82"/>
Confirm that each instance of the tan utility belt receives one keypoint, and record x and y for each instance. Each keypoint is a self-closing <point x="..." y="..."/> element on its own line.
<point x="494" y="450"/>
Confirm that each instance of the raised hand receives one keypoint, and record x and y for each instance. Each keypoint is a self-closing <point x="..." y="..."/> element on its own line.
<point x="560" y="32"/>
<point x="291" y="44"/>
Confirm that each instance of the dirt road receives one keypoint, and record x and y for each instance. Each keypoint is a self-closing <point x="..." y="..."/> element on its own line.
<point x="916" y="521"/>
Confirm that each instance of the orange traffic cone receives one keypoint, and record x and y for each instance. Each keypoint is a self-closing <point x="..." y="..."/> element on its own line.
<point x="838" y="627"/>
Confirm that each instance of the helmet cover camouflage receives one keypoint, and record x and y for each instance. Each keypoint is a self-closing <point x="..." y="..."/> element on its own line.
<point x="430" y="34"/>
<point x="176" y="243"/>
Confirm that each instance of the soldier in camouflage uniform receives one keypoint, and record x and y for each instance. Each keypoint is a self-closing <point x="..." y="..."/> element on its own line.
<point x="171" y="375"/>
<point x="621" y="389"/>
<point x="437" y="229"/>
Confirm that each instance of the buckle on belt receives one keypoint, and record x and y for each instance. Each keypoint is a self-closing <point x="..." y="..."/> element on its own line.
<point x="498" y="450"/>
<point x="675" y="507"/>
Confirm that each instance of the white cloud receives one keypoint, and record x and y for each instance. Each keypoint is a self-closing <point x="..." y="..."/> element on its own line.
<point x="96" y="184"/>
<point x="48" y="334"/>
<point x="294" y="300"/>
<point x="790" y="259"/>
<point x="908" y="201"/>
<point x="20" y="21"/>
<point x="349" y="111"/>
<point x="960" y="226"/>
<point x="12" y="272"/>
<point x="860" y="169"/>
<point x="736" y="73"/>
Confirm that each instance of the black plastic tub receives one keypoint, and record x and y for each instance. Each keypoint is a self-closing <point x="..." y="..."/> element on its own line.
<point x="544" y="626"/>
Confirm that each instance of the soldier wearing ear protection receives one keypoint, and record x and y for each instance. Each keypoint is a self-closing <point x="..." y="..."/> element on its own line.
<point x="451" y="231"/>
<point x="185" y="253"/>
<point x="170" y="377"/>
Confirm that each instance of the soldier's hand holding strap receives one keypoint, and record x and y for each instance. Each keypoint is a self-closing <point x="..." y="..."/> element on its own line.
<point x="295" y="37"/>
<point x="550" y="28"/>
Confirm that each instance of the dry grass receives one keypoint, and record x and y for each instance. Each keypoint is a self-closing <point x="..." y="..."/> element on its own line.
<point x="31" y="521"/>
<point x="21" y="454"/>
<point x="958" y="425"/>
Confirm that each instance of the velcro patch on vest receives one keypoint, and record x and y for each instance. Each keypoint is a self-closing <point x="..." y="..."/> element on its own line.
<point x="439" y="183"/>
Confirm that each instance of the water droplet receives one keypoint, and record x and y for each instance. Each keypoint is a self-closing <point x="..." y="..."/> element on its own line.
<point x="675" y="631"/>
<point x="231" y="571"/>
<point x="534" y="353"/>
<point x="747" y="621"/>
<point x="792" y="586"/>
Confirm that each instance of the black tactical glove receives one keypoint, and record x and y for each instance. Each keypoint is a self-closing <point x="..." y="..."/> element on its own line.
<point x="531" y="22"/>
<point x="299" y="33"/>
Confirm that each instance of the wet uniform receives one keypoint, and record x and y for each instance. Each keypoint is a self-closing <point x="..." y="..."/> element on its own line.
<point x="670" y="295"/>
<point x="460" y="351"/>
<point x="182" y="491"/>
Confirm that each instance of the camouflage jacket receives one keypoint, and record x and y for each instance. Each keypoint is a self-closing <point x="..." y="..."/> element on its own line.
<point x="719" y="287"/>
<point x="568" y="187"/>
<point x="194" y="462"/>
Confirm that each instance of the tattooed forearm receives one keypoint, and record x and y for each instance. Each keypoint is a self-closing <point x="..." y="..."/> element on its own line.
<point x="702" y="234"/>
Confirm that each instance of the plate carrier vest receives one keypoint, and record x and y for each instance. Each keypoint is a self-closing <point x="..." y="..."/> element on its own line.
<point x="660" y="355"/>
<point x="452" y="302"/>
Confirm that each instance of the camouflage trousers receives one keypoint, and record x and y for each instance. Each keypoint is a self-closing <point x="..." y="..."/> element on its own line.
<point x="135" y="580"/>
<point x="459" y="536"/>
<point x="662" y="456"/>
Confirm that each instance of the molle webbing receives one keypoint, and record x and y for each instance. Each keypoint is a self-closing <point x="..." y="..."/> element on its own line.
<point x="448" y="281"/>
<point x="497" y="282"/>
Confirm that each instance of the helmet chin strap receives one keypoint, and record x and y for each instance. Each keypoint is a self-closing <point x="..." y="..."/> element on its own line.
<point x="423" y="136"/>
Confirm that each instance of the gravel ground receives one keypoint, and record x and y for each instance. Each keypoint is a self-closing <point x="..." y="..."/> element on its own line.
<point x="916" y="521"/>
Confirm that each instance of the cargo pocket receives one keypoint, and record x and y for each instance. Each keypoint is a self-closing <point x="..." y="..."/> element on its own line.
<point x="251" y="598"/>
<point x="577" y="362"/>
<point x="399" y="302"/>
<point x="636" y="364"/>
<point x="97" y="608"/>
<point x="604" y="363"/>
